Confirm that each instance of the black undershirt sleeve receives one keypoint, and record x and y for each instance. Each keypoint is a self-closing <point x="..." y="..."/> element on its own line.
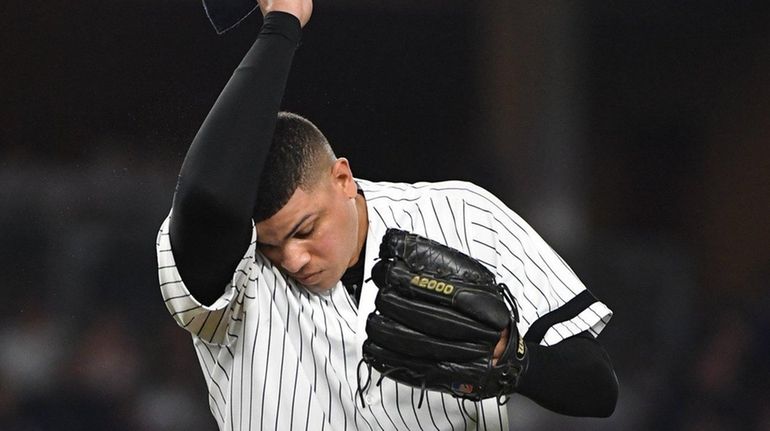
<point x="574" y="377"/>
<point x="210" y="224"/>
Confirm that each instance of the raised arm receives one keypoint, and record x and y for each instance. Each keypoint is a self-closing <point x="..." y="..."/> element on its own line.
<point x="210" y="224"/>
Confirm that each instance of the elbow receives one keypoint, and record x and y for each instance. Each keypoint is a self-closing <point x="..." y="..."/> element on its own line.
<point x="602" y="398"/>
<point x="607" y="406"/>
<point x="606" y="386"/>
<point x="607" y="390"/>
<point x="574" y="378"/>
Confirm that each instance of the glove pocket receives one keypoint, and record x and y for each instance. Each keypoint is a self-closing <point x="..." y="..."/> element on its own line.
<point x="399" y="338"/>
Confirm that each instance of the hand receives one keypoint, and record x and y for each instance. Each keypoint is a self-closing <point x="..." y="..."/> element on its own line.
<point x="500" y="347"/>
<point x="302" y="9"/>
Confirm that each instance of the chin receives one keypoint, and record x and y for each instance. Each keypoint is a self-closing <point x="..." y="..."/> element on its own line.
<point x="320" y="288"/>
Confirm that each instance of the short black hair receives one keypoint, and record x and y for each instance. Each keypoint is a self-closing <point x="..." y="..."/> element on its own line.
<point x="298" y="155"/>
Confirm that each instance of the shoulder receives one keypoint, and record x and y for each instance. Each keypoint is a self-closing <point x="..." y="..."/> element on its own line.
<point x="453" y="189"/>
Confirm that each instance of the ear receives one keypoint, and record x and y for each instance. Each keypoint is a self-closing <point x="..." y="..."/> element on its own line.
<point x="342" y="177"/>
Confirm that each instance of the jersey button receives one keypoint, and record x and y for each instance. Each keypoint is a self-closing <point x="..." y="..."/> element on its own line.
<point x="371" y="399"/>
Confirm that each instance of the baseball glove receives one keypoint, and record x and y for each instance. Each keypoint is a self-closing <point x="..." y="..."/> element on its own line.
<point x="439" y="316"/>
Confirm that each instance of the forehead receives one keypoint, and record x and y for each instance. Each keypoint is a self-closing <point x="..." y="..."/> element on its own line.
<point x="300" y="206"/>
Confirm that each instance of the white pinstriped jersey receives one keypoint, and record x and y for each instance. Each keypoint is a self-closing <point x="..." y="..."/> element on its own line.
<point x="276" y="356"/>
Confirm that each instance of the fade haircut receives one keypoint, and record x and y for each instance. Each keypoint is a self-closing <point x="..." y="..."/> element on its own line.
<point x="298" y="156"/>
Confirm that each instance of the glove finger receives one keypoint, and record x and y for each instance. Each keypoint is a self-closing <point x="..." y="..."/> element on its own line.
<point x="484" y="306"/>
<point x="383" y="360"/>
<point x="434" y="320"/>
<point x="465" y="379"/>
<point x="404" y="340"/>
<point x="479" y="302"/>
<point x="388" y="275"/>
<point x="433" y="258"/>
<point x="392" y="244"/>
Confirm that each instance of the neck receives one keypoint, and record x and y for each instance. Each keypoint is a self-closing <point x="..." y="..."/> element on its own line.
<point x="363" y="223"/>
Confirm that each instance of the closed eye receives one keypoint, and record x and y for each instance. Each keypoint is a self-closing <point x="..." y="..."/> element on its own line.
<point x="305" y="233"/>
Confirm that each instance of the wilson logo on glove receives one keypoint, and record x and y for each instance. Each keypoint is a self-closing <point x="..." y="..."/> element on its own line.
<point x="431" y="284"/>
<point x="521" y="349"/>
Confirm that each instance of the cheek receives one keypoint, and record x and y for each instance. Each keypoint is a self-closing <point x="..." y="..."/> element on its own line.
<point x="336" y="237"/>
<point x="328" y="245"/>
<point x="338" y="240"/>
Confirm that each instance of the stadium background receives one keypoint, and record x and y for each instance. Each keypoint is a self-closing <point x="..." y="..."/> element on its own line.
<point x="633" y="135"/>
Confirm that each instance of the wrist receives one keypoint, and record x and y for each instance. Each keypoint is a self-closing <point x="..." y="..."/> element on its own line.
<point x="516" y="359"/>
<point x="283" y="23"/>
<point x="299" y="10"/>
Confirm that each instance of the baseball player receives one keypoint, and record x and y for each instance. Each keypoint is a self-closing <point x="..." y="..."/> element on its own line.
<point x="267" y="257"/>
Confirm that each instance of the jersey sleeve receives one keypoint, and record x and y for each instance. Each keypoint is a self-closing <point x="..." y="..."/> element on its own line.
<point x="208" y="323"/>
<point x="553" y="303"/>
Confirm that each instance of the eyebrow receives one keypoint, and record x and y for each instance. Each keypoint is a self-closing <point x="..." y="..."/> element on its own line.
<point x="292" y="232"/>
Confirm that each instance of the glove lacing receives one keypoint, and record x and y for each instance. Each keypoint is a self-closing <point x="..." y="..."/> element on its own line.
<point x="508" y="297"/>
<point x="364" y="387"/>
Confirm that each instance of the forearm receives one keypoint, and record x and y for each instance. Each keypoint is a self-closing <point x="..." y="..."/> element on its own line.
<point x="218" y="182"/>
<point x="574" y="377"/>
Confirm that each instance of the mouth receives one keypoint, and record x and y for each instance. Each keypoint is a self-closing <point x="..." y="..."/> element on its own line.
<point x="308" y="279"/>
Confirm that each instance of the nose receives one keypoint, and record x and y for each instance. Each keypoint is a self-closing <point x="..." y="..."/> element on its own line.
<point x="294" y="257"/>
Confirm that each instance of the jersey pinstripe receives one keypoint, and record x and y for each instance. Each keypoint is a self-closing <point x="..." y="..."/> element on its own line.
<point x="276" y="356"/>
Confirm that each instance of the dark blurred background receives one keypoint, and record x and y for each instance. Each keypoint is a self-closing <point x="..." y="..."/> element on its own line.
<point x="634" y="136"/>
